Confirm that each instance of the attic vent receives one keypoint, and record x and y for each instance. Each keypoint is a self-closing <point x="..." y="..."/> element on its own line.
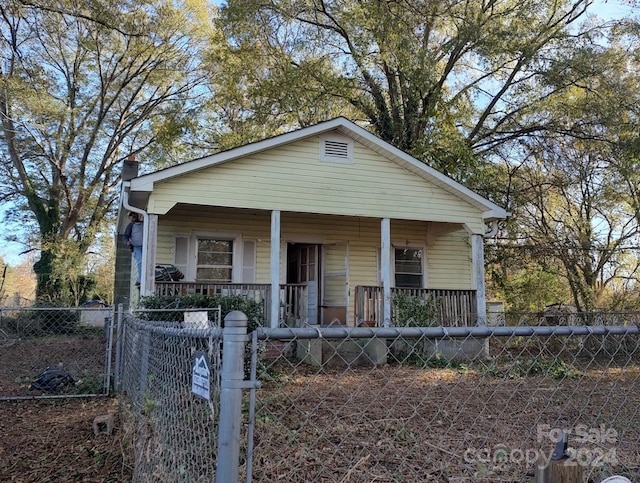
<point x="336" y="149"/>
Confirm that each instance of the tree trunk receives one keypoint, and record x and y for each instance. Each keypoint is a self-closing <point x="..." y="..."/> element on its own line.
<point x="46" y="287"/>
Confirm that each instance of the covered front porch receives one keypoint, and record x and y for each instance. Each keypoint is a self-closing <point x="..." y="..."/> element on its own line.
<point x="453" y="308"/>
<point x="320" y="269"/>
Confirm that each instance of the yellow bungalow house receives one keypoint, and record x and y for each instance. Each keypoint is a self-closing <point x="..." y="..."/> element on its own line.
<point x="323" y="224"/>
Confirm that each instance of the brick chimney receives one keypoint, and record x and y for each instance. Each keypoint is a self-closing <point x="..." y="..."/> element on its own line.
<point x="129" y="168"/>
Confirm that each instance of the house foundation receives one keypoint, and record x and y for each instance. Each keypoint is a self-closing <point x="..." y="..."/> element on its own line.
<point x="462" y="350"/>
<point x="343" y="353"/>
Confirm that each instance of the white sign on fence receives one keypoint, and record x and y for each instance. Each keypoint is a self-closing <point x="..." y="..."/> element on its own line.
<point x="201" y="375"/>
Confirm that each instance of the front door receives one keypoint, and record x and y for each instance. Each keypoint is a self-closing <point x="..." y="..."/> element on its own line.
<point x="302" y="268"/>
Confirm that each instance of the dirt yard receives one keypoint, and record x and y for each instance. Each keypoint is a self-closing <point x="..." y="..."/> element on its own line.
<point x="53" y="440"/>
<point x="82" y="355"/>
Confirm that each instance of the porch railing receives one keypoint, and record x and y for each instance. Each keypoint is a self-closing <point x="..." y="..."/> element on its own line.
<point x="293" y="297"/>
<point x="454" y="308"/>
<point x="293" y="305"/>
<point x="253" y="291"/>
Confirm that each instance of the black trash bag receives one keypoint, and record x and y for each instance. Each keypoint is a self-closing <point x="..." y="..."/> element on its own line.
<point x="52" y="380"/>
<point x="168" y="273"/>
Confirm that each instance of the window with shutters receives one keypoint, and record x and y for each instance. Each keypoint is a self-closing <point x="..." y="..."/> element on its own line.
<point x="214" y="262"/>
<point x="215" y="259"/>
<point x="336" y="149"/>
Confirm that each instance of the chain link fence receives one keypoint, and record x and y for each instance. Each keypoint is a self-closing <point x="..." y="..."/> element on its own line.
<point x="387" y="404"/>
<point x="55" y="352"/>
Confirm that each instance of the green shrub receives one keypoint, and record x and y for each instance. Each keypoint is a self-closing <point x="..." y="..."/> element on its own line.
<point x="414" y="311"/>
<point x="227" y="303"/>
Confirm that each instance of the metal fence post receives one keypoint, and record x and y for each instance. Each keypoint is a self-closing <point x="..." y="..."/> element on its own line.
<point x="118" y="355"/>
<point x="234" y="338"/>
<point x="108" y="331"/>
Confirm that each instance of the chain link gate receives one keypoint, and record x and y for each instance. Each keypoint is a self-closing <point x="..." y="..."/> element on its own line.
<point x="170" y="431"/>
<point x="52" y="352"/>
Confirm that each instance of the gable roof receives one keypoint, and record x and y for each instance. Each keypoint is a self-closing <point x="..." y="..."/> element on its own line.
<point x="491" y="211"/>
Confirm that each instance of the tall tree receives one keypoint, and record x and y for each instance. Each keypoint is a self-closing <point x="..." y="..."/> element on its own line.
<point x="578" y="220"/>
<point x="76" y="97"/>
<point x="576" y="209"/>
<point x="444" y="80"/>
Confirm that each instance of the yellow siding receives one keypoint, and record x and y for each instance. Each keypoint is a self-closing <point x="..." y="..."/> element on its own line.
<point x="293" y="179"/>
<point x="448" y="255"/>
<point x="450" y="261"/>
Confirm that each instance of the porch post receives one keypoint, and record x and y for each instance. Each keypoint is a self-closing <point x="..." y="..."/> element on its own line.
<point x="385" y="270"/>
<point x="149" y="244"/>
<point x="477" y="260"/>
<point x="274" y="268"/>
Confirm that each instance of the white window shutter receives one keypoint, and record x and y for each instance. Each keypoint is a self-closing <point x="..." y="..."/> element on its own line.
<point x="181" y="254"/>
<point x="249" y="261"/>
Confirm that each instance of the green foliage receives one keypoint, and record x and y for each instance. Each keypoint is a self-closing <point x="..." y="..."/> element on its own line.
<point x="528" y="367"/>
<point x="39" y="323"/>
<point x="532" y="290"/>
<point x="228" y="303"/>
<point x="61" y="277"/>
<point x="90" y="385"/>
<point x="412" y="352"/>
<point x="414" y="311"/>
<point x="432" y="78"/>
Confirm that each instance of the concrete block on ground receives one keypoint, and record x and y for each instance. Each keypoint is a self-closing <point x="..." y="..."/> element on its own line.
<point x="103" y="424"/>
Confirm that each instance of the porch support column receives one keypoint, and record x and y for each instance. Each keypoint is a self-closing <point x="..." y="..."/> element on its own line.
<point x="274" y="268"/>
<point x="149" y="244"/>
<point x="385" y="270"/>
<point x="477" y="260"/>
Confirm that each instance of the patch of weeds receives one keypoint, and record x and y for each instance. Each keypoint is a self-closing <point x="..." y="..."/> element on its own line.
<point x="436" y="361"/>
<point x="272" y="374"/>
<point x="149" y="406"/>
<point x="528" y="367"/>
<point x="91" y="385"/>
<point x="100" y="456"/>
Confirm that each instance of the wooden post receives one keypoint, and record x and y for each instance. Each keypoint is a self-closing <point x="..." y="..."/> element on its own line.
<point x="150" y="242"/>
<point x="477" y="260"/>
<point x="274" y="268"/>
<point x="385" y="270"/>
<point x="564" y="470"/>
